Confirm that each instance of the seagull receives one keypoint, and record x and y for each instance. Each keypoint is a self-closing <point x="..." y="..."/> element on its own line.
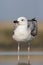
<point x="24" y="31"/>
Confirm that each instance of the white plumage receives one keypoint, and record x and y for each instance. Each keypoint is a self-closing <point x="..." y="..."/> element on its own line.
<point x="25" y="30"/>
<point x="22" y="31"/>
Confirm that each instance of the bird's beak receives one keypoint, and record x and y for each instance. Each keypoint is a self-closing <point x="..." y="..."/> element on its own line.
<point x="15" y="21"/>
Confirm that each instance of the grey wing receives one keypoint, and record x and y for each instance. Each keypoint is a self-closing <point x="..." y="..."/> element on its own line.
<point x="34" y="30"/>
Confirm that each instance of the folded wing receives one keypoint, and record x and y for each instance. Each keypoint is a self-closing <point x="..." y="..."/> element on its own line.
<point x="34" y="26"/>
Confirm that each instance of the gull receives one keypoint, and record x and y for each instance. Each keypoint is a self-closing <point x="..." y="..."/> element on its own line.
<point x="25" y="30"/>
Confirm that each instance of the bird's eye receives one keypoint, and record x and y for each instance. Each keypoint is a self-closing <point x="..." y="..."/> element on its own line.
<point x="22" y="20"/>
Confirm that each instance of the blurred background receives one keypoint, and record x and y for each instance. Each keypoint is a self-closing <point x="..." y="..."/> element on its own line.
<point x="11" y="10"/>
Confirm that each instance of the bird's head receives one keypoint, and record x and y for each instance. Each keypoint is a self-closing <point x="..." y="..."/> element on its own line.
<point x="21" y="21"/>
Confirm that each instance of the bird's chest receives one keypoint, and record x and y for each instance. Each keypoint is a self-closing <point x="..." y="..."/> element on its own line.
<point x="21" y="34"/>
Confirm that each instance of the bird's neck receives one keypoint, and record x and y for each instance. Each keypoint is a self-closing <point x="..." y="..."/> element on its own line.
<point x="22" y="26"/>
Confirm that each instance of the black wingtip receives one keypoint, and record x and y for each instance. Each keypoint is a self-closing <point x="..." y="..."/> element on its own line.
<point x="34" y="19"/>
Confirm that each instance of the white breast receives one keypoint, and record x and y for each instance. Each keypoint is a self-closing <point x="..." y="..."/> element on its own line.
<point x="22" y="34"/>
